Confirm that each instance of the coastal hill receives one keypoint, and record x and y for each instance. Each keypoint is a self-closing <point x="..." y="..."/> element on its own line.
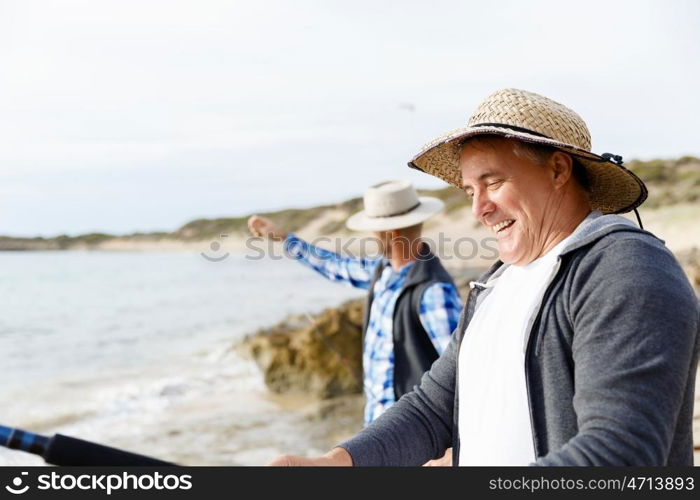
<point x="671" y="212"/>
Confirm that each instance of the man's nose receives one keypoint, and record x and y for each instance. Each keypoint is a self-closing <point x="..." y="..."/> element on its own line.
<point x="481" y="204"/>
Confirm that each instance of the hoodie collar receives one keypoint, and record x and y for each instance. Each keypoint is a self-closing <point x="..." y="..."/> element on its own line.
<point x="592" y="228"/>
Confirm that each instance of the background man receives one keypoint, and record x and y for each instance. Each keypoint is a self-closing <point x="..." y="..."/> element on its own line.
<point x="413" y="305"/>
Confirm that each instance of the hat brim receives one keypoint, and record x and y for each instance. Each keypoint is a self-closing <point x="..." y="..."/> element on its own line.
<point x="613" y="188"/>
<point x="428" y="207"/>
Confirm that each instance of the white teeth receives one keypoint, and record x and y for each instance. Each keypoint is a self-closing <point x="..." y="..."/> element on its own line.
<point x="501" y="225"/>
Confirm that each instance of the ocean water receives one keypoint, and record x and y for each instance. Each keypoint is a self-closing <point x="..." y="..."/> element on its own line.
<point x="136" y="350"/>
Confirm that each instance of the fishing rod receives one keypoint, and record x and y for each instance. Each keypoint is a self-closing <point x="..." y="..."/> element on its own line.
<point x="65" y="450"/>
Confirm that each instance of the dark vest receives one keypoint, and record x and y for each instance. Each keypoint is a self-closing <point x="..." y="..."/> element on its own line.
<point x="414" y="353"/>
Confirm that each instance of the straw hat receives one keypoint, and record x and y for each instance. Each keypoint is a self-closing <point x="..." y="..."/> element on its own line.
<point x="530" y="117"/>
<point x="393" y="205"/>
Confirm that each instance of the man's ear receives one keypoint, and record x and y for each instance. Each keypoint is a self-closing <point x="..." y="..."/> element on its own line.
<point x="562" y="166"/>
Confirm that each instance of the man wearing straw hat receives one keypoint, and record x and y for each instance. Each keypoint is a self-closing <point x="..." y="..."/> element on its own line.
<point x="413" y="305"/>
<point x="580" y="345"/>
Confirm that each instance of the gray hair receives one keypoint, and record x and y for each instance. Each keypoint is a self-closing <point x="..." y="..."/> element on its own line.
<point x="537" y="154"/>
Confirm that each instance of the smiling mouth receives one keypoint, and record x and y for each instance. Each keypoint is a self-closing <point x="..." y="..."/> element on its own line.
<point x="502" y="226"/>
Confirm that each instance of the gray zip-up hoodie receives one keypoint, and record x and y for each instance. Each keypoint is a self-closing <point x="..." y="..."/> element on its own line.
<point x="610" y="362"/>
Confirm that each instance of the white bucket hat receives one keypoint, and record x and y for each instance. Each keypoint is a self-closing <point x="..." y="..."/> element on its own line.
<point x="393" y="205"/>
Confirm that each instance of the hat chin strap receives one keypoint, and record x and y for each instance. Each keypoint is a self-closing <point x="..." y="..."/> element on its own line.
<point x="639" y="219"/>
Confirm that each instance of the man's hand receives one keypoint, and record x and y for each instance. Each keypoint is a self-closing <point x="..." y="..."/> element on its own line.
<point x="445" y="461"/>
<point x="265" y="228"/>
<point x="337" y="457"/>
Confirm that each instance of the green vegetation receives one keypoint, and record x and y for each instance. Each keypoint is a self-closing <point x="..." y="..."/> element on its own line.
<point x="669" y="182"/>
<point x="60" y="242"/>
<point x="87" y="239"/>
<point x="293" y="219"/>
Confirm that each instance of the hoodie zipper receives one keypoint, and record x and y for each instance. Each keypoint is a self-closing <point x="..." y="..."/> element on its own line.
<point x="533" y="337"/>
<point x="475" y="289"/>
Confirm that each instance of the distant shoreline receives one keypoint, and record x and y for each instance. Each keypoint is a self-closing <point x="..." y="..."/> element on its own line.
<point x="670" y="212"/>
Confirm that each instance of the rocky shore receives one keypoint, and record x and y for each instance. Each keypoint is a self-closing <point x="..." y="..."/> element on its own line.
<point x="321" y="355"/>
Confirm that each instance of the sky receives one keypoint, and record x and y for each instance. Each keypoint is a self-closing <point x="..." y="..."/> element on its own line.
<point x="123" y="116"/>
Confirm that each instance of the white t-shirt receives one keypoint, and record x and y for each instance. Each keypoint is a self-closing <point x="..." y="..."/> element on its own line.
<point x="494" y="416"/>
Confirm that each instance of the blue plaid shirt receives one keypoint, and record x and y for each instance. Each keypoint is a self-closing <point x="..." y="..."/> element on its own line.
<point x="439" y="314"/>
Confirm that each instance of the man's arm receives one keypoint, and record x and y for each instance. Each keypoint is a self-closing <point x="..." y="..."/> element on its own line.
<point x="355" y="272"/>
<point x="440" y="308"/>
<point x="635" y="326"/>
<point x="337" y="457"/>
